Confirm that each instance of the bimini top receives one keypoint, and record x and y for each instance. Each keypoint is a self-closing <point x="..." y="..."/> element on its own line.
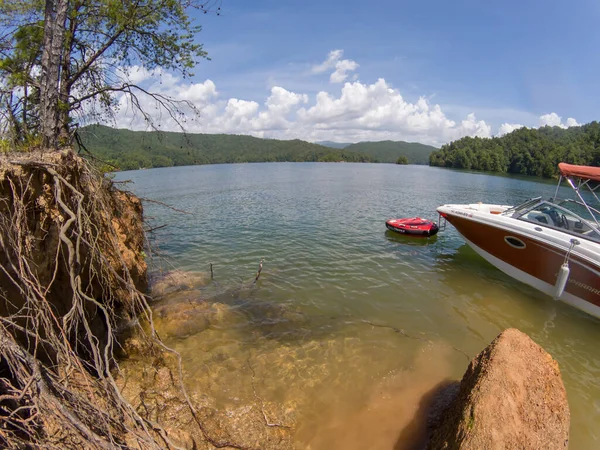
<point x="587" y="172"/>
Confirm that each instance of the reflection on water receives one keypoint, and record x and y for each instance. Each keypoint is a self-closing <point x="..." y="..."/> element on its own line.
<point x="349" y="325"/>
<point x="392" y="236"/>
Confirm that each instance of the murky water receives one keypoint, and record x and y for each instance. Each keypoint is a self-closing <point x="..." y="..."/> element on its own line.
<point x="349" y="325"/>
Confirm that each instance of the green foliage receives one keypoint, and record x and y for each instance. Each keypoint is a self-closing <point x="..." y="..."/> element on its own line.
<point x="390" y="151"/>
<point x="334" y="144"/>
<point x="102" y="38"/>
<point x="4" y="146"/>
<point x="129" y="150"/>
<point x="402" y="160"/>
<point x="525" y="151"/>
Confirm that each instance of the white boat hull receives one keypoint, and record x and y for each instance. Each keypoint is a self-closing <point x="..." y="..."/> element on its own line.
<point x="531" y="253"/>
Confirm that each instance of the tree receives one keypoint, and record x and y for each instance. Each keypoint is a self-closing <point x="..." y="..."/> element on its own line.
<point x="82" y="60"/>
<point x="402" y="160"/>
<point x="525" y="151"/>
<point x="55" y="15"/>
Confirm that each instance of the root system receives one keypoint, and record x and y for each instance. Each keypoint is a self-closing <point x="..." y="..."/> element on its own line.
<point x="72" y="273"/>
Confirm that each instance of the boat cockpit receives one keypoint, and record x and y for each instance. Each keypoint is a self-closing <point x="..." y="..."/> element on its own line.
<point x="569" y="216"/>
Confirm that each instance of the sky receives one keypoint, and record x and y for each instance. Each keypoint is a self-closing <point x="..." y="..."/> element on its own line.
<point x="422" y="71"/>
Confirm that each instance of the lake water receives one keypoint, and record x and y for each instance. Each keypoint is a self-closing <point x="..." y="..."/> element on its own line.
<point x="318" y="333"/>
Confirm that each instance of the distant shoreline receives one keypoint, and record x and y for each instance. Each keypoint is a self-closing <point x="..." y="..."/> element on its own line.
<point x="130" y="150"/>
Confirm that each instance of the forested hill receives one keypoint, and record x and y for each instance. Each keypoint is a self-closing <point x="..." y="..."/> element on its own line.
<point x="390" y="151"/>
<point x="333" y="144"/>
<point x="524" y="151"/>
<point x="128" y="150"/>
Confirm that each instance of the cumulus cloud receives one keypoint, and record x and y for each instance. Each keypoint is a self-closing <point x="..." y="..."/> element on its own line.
<point x="191" y="99"/>
<point x="333" y="57"/>
<point x="551" y="120"/>
<point x="356" y="111"/>
<point x="341" y="70"/>
<point x="135" y="74"/>
<point x="572" y="122"/>
<point x="378" y="111"/>
<point x="334" y="61"/>
<point x="554" y="120"/>
<point x="506" y="128"/>
<point x="473" y="127"/>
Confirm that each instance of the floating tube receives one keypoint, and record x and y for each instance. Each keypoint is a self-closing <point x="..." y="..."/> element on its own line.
<point x="413" y="226"/>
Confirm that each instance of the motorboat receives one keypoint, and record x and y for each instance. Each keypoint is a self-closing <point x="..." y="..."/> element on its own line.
<point x="413" y="226"/>
<point x="551" y="244"/>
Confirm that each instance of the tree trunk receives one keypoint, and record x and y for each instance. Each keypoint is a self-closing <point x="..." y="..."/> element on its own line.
<point x="63" y="124"/>
<point x="54" y="33"/>
<point x="64" y="93"/>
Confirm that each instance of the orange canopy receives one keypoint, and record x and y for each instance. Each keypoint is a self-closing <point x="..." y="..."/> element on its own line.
<point x="571" y="170"/>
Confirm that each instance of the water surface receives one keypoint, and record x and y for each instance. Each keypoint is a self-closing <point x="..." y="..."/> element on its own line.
<point x="350" y="325"/>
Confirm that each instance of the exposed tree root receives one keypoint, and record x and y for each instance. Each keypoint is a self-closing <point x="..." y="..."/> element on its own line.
<point x="72" y="273"/>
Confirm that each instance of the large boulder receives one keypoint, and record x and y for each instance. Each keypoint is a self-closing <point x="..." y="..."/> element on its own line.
<point x="511" y="396"/>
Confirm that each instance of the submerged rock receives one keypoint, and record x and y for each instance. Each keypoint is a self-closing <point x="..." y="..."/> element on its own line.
<point x="511" y="396"/>
<point x="167" y="283"/>
<point x="183" y="319"/>
<point x="155" y="392"/>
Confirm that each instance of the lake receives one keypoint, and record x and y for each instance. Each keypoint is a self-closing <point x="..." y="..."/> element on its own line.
<point x="319" y="332"/>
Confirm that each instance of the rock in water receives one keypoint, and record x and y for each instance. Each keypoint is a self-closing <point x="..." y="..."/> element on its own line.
<point x="511" y="396"/>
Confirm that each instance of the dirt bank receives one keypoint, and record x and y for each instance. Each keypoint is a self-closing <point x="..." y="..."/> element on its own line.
<point x="72" y="272"/>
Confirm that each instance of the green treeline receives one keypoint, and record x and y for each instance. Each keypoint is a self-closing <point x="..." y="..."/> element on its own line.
<point x="390" y="151"/>
<point x="525" y="151"/>
<point x="130" y="150"/>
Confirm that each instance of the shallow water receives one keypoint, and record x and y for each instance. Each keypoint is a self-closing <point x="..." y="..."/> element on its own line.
<point x="348" y="325"/>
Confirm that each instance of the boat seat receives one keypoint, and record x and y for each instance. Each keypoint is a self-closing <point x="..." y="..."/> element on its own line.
<point x="539" y="217"/>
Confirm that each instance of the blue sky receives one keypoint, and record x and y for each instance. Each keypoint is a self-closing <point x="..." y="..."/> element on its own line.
<point x="483" y="64"/>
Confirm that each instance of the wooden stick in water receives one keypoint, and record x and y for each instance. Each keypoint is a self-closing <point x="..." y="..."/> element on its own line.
<point x="260" y="266"/>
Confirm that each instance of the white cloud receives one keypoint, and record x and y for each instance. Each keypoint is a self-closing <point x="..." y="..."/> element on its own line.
<point x="551" y="120"/>
<point x="342" y="66"/>
<point x="506" y="128"/>
<point x="473" y="127"/>
<point x="358" y="111"/>
<point x="341" y="70"/>
<point x="281" y="101"/>
<point x="197" y="92"/>
<point x="572" y="122"/>
<point x="354" y="112"/>
<point x="329" y="63"/>
<point x="554" y="120"/>
<point x="136" y="74"/>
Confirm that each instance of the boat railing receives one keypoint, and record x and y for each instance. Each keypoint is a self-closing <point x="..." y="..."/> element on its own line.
<point x="584" y="204"/>
<point x="582" y="184"/>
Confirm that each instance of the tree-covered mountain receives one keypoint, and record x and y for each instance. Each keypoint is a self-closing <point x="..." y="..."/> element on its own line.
<point x="525" y="151"/>
<point x="333" y="144"/>
<point x="390" y="151"/>
<point x="128" y="149"/>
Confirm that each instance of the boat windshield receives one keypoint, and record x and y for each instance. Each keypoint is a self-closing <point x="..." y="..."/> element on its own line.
<point x="518" y="210"/>
<point x="586" y="211"/>
<point x="568" y="216"/>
